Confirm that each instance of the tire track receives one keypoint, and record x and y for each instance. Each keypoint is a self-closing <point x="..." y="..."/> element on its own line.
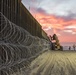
<point x="41" y="66"/>
<point x="71" y="64"/>
<point x="55" y="63"/>
<point x="50" y="65"/>
<point x="44" y="67"/>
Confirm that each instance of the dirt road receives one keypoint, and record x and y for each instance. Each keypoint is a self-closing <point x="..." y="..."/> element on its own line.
<point x="54" y="63"/>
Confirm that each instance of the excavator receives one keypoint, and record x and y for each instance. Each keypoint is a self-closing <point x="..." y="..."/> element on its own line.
<point x="55" y="43"/>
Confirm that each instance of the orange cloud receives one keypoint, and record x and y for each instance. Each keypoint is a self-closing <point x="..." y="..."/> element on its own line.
<point x="51" y="21"/>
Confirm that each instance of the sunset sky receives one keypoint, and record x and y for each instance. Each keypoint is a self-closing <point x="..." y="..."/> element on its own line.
<point x="55" y="16"/>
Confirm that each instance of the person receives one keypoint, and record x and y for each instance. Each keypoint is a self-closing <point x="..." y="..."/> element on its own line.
<point x="74" y="46"/>
<point x="51" y="44"/>
<point x="69" y="48"/>
<point x="50" y="37"/>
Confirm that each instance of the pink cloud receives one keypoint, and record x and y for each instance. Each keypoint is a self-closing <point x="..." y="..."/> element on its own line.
<point x="57" y="25"/>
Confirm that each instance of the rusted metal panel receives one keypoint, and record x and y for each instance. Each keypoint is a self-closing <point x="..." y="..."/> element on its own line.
<point x="17" y="13"/>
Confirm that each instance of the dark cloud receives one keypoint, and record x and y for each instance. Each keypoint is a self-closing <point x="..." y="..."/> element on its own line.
<point x="40" y="10"/>
<point x="70" y="16"/>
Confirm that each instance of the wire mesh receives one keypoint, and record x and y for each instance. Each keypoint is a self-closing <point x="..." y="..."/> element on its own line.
<point x="17" y="48"/>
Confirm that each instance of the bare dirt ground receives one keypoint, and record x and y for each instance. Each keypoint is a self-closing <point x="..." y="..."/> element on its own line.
<point x="54" y="63"/>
